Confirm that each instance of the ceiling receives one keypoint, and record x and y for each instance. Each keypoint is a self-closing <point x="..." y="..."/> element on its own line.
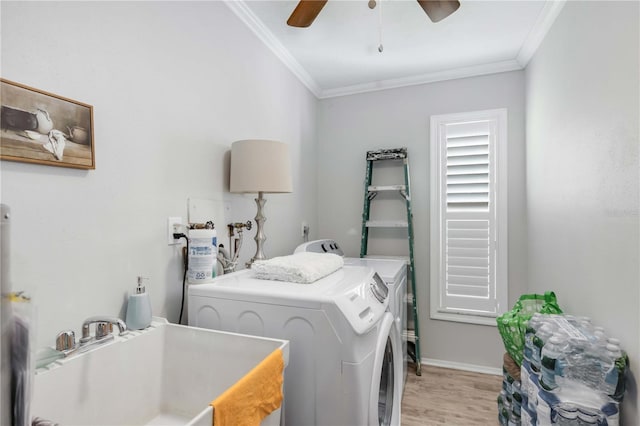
<point x="338" y="54"/>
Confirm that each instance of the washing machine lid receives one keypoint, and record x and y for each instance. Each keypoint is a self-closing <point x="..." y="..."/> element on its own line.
<point x="357" y="291"/>
<point x="389" y="269"/>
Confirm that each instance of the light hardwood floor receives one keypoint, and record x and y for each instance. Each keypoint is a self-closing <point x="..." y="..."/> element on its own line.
<point x="442" y="396"/>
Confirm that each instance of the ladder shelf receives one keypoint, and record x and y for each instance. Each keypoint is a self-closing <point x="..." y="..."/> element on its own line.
<point x="387" y="224"/>
<point x="376" y="188"/>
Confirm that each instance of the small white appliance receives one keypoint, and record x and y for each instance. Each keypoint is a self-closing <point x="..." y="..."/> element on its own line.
<point x="394" y="274"/>
<point x="203" y="253"/>
<point x="344" y="364"/>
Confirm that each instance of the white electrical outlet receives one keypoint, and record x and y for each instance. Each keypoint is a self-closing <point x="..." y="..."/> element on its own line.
<point x="174" y="225"/>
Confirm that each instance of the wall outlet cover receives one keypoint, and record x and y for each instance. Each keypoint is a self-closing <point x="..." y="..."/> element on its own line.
<point x="174" y="225"/>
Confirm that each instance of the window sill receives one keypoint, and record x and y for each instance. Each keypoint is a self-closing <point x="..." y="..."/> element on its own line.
<point x="465" y="318"/>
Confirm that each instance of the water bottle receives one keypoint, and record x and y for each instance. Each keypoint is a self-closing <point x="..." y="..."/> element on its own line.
<point x="613" y="341"/>
<point x="598" y="338"/>
<point x="507" y="385"/>
<point x="524" y="387"/>
<point x="501" y="419"/>
<point x="584" y="364"/>
<point x="530" y="331"/>
<point x="543" y="411"/>
<point x="566" y="415"/>
<point x="505" y="416"/>
<point x="611" y="413"/>
<point x="514" y="420"/>
<point x="585" y="325"/>
<point x="551" y="361"/>
<point x="587" y="417"/>
<point x="622" y="363"/>
<point x="506" y="408"/>
<point x="516" y="404"/>
<point x="612" y="375"/>
<point x="539" y="340"/>
<point x="532" y="389"/>
<point x="528" y="418"/>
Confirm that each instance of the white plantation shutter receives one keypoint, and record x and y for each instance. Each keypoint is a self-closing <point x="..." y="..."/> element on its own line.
<point x="468" y="273"/>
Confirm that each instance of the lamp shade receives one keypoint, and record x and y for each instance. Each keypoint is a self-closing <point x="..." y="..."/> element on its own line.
<point x="260" y="166"/>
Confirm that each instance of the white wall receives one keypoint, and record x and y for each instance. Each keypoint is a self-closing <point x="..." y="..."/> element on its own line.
<point x="582" y="169"/>
<point x="351" y="125"/>
<point x="173" y="84"/>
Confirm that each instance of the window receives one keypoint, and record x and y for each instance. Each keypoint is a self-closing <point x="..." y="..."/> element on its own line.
<point x="469" y="216"/>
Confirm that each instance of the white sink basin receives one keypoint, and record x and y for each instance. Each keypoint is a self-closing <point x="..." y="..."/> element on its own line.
<point x="164" y="375"/>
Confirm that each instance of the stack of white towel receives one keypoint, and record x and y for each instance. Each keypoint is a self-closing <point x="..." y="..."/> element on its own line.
<point x="303" y="268"/>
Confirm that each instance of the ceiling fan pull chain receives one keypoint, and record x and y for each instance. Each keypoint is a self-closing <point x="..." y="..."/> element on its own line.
<point x="380" y="47"/>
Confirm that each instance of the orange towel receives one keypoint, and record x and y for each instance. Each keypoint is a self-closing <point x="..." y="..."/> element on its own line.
<point x="253" y="397"/>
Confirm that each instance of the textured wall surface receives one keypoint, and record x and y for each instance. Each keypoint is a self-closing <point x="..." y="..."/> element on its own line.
<point x="582" y="170"/>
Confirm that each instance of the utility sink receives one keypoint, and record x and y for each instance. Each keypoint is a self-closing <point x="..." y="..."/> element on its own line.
<point x="166" y="374"/>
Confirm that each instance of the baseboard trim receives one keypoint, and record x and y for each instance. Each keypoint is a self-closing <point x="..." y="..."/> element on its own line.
<point x="462" y="366"/>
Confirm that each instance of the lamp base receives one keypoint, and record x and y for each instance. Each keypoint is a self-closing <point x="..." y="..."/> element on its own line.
<point x="260" y="238"/>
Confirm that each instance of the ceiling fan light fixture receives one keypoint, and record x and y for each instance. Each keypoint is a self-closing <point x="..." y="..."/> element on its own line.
<point x="307" y="11"/>
<point x="437" y="10"/>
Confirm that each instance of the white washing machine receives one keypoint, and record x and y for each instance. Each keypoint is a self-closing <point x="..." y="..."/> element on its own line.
<point x="344" y="364"/>
<point x="394" y="274"/>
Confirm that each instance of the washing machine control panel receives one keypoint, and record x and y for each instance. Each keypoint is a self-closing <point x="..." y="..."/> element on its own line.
<point x="365" y="302"/>
<point x="320" y="246"/>
<point x="379" y="288"/>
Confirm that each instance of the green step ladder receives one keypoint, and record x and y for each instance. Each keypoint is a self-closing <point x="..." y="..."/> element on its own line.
<point x="370" y="191"/>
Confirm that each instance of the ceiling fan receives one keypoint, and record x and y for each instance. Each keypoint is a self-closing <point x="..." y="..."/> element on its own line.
<point x="307" y="10"/>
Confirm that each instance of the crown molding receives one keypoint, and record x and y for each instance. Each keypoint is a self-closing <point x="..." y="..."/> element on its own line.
<point x="451" y="74"/>
<point x="245" y="14"/>
<point x="546" y="18"/>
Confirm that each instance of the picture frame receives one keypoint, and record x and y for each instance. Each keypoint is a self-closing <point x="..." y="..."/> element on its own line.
<point x="44" y="128"/>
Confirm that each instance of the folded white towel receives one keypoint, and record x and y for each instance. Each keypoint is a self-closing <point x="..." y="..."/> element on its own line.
<point x="301" y="268"/>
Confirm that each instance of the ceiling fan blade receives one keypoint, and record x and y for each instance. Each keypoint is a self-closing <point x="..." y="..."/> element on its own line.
<point x="437" y="10"/>
<point x="305" y="13"/>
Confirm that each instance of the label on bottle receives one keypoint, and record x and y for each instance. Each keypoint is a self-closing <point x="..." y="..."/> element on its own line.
<point x="548" y="375"/>
<point x="528" y="346"/>
<point x="611" y="380"/>
<point x="535" y="353"/>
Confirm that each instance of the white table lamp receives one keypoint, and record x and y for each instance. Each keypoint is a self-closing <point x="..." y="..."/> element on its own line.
<point x="260" y="166"/>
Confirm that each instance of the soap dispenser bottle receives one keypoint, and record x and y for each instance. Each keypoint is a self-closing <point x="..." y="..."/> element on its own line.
<point x="139" y="308"/>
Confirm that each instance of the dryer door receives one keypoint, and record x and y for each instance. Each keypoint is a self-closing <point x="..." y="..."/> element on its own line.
<point x="384" y="401"/>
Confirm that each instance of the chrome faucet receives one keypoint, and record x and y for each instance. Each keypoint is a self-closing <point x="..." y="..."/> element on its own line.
<point x="104" y="328"/>
<point x="66" y="340"/>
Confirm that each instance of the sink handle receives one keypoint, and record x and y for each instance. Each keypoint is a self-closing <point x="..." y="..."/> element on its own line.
<point x="66" y="340"/>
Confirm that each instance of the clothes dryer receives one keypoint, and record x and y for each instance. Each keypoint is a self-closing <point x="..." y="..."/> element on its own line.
<point x="394" y="274"/>
<point x="344" y="364"/>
